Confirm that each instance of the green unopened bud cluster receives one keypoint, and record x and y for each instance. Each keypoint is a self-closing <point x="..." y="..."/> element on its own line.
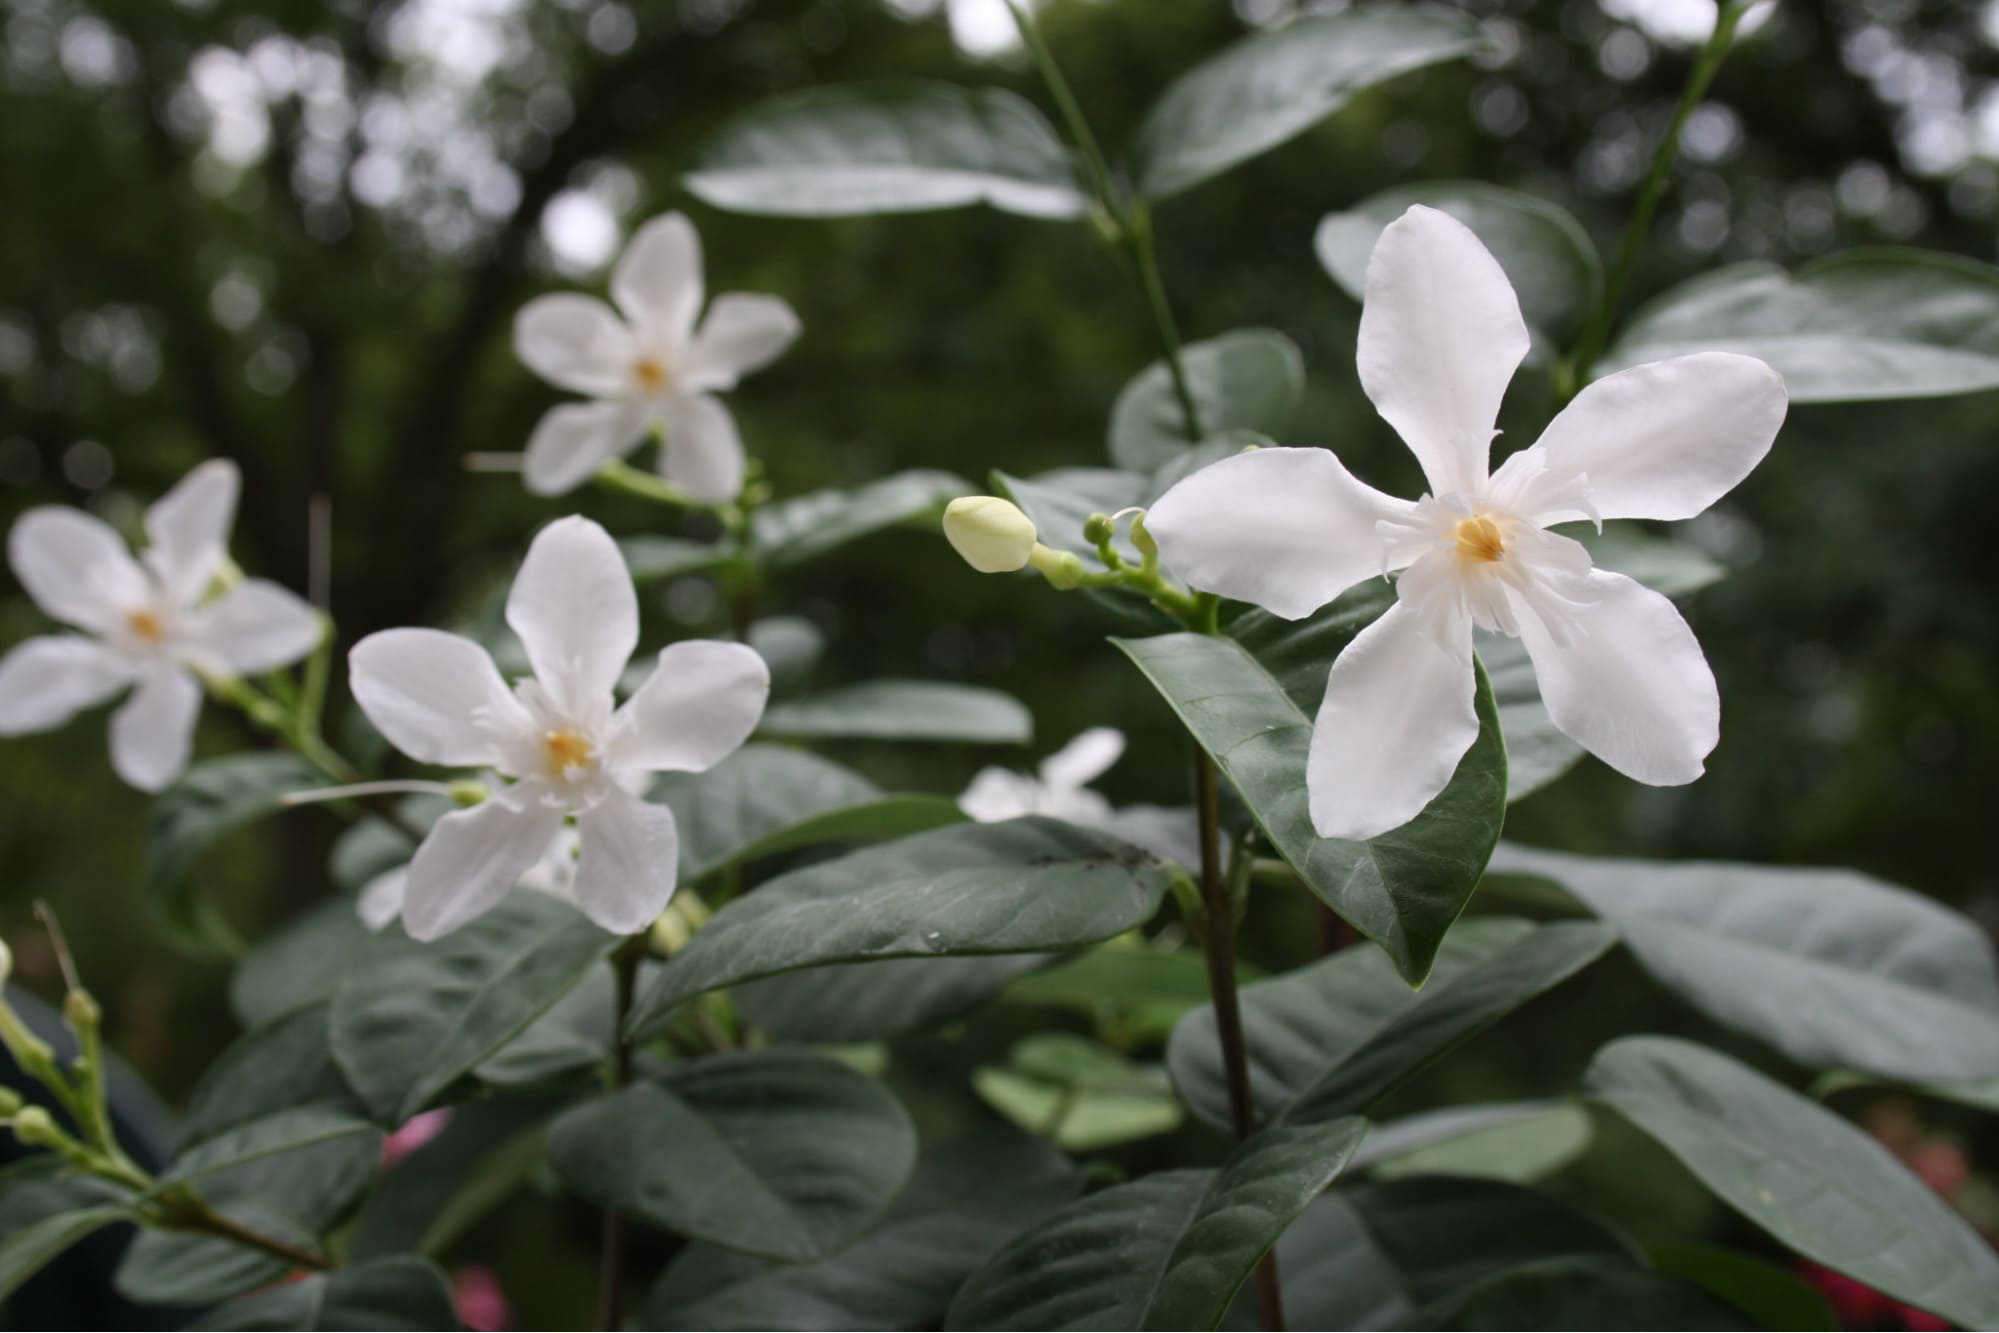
<point x="995" y="537"/>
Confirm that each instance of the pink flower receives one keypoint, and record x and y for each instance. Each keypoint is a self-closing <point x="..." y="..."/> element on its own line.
<point x="417" y="1131"/>
<point x="475" y="1291"/>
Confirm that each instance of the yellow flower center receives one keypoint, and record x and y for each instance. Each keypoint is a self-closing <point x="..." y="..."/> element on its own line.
<point x="651" y="373"/>
<point x="146" y="626"/>
<point x="566" y="751"/>
<point x="1478" y="539"/>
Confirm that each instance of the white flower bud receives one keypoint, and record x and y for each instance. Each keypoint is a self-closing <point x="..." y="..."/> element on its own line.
<point x="991" y="534"/>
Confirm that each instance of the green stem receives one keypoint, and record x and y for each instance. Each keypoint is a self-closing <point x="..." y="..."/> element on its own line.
<point x="1590" y="346"/>
<point x="1071" y="111"/>
<point x="1138" y="241"/>
<point x="611" y="1264"/>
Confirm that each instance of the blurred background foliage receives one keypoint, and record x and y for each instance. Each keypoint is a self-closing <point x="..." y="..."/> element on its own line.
<point x="294" y="233"/>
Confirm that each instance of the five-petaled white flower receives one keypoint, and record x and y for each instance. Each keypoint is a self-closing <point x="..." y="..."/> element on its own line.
<point x="1059" y="789"/>
<point x="653" y="369"/>
<point x="145" y="623"/>
<point x="1290" y="529"/>
<point x="553" y="872"/>
<point x="560" y="735"/>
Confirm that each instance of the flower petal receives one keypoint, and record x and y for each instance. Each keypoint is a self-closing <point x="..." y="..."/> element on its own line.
<point x="576" y="343"/>
<point x="573" y="440"/>
<point x="255" y="626"/>
<point x="76" y="568"/>
<point x="381" y="899"/>
<point x="1396" y="719"/>
<point x="471" y="859"/>
<point x="1630" y="683"/>
<point x="657" y="281"/>
<point x="741" y="333"/>
<point x="1440" y="338"/>
<point x="153" y="731"/>
<point x="188" y="529"/>
<point x="631" y="858"/>
<point x="47" y="681"/>
<point x="1083" y="759"/>
<point x="576" y="612"/>
<point x="703" y="453"/>
<point x="699" y="705"/>
<point x="1287" y="529"/>
<point x="437" y="697"/>
<point x="1000" y="793"/>
<point x="1663" y="441"/>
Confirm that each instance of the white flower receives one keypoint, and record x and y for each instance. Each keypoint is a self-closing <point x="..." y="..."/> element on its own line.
<point x="1290" y="529"/>
<point x="144" y="623"/>
<point x="553" y="872"/>
<point x="1059" y="790"/>
<point x="559" y="734"/>
<point x="652" y="369"/>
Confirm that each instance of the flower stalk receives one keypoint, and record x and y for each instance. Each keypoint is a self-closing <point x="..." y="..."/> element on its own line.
<point x="611" y="1270"/>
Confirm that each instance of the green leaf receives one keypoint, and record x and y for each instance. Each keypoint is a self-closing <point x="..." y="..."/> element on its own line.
<point x="1663" y="564"/>
<point x="1545" y="252"/>
<point x="754" y="794"/>
<point x="1166" y="1251"/>
<point x="791" y="646"/>
<point x="410" y="1019"/>
<point x="1830" y="967"/>
<point x="484" y="1153"/>
<point x="1774" y="1297"/>
<point x="397" y="1293"/>
<point x="573" y="1035"/>
<point x="1024" y="886"/>
<point x="870" y="1001"/>
<point x="896" y="146"/>
<point x="1402" y="889"/>
<point x="282" y="1065"/>
<point x="299" y="965"/>
<point x="1803" y="1174"/>
<point x="1082" y="1096"/>
<point x="179" y="1268"/>
<point x="778" y="1152"/>
<point x="210" y="800"/>
<point x="1582" y="1292"/>
<point x="967" y="1198"/>
<point x="902" y="710"/>
<point x="279" y="1134"/>
<point x="1247" y="379"/>
<point x="27" y="1250"/>
<point x="1520" y="1141"/>
<point x="1125" y="986"/>
<point x="1061" y="501"/>
<point x="1371" y="1255"/>
<point x="1863" y="324"/>
<point x="805" y="527"/>
<point x="1273" y="86"/>
<point x="44" y="1210"/>
<point x="1330" y="1039"/>
<point x="652" y="558"/>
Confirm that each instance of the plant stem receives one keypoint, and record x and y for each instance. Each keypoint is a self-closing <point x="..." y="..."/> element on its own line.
<point x="611" y="1271"/>
<point x="206" y="1220"/>
<point x="1589" y="347"/>
<point x="1125" y="225"/>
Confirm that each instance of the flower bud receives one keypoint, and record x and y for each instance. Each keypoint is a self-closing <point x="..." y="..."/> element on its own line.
<point x="79" y="1009"/>
<point x="1063" y="569"/>
<point x="991" y="534"/>
<point x="34" y="1128"/>
<point x="1097" y="529"/>
<point x="467" y="792"/>
<point x="10" y="1102"/>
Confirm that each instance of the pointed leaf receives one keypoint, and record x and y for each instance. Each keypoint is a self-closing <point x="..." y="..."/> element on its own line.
<point x="778" y="1152"/>
<point x="805" y="527"/>
<point x="1246" y="379"/>
<point x="1519" y="1141"/>
<point x="1024" y="886"/>
<point x="902" y="710"/>
<point x="871" y="1001"/>
<point x="1402" y="889"/>
<point x="1809" y="1178"/>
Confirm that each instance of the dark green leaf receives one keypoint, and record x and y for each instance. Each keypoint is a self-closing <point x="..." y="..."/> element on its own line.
<point x="778" y="1152"/>
<point x="1585" y="1293"/>
<point x="967" y="1198"/>
<point x="410" y="1019"/>
<point x="1247" y="379"/>
<point x="1166" y="1251"/>
<point x="44" y="1210"/>
<point x="1518" y="1141"/>
<point x="1329" y="1039"/>
<point x="210" y="800"/>
<point x="288" y="1134"/>
<point x="1082" y="1096"/>
<point x="1024" y="886"/>
<point x="1863" y="324"/>
<point x="1832" y="968"/>
<point x="284" y="1064"/>
<point x="903" y="710"/>
<point x="1275" y="85"/>
<point x="1402" y="889"/>
<point x="1060" y="502"/>
<point x="899" y="146"/>
<point x="1803" y="1174"/>
<point x="1545" y="252"/>
<point x="481" y="1156"/>
<point x="299" y="965"/>
<point x="397" y="1293"/>
<point x="869" y="1001"/>
<point x="1124" y="986"/>
<point x="1373" y="1254"/>
<point x="805" y="527"/>
<point x="1774" y="1297"/>
<point x="756" y="793"/>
